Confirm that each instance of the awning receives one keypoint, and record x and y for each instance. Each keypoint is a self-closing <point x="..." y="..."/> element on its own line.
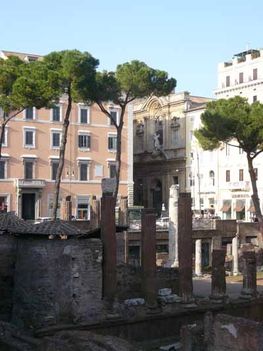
<point x="240" y="206"/>
<point x="226" y="207"/>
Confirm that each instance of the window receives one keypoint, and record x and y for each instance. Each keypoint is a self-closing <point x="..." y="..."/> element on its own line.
<point x="227" y="81"/>
<point x="256" y="173"/>
<point x="3" y="203"/>
<point x="98" y="171"/>
<point x="241" y="77"/>
<point x="83" y="210"/>
<point x="84" y="141"/>
<point x="228" y="175"/>
<point x="114" y="116"/>
<point x="83" y="114"/>
<point x="241" y="175"/>
<point x="29" y="113"/>
<point x="54" y="169"/>
<point x="255" y="73"/>
<point x="28" y="169"/>
<point x="2" y="169"/>
<point x="191" y="179"/>
<point x="83" y="171"/>
<point x="175" y="180"/>
<point x="112" y="142"/>
<point x="255" y="98"/>
<point x="212" y="178"/>
<point x="55" y="139"/>
<point x="112" y="170"/>
<point x="29" y="137"/>
<point x="56" y="113"/>
<point x="4" y="142"/>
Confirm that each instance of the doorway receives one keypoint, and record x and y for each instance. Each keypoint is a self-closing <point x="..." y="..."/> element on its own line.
<point x="28" y="206"/>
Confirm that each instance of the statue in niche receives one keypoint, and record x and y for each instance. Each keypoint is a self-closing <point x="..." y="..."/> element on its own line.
<point x="140" y="128"/>
<point x="156" y="141"/>
<point x="175" y="123"/>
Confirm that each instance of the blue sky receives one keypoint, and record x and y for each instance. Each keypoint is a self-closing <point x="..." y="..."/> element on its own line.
<point x="187" y="39"/>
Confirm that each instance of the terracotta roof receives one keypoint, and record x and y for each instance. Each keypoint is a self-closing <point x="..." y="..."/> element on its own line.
<point x="55" y="228"/>
<point x="10" y="223"/>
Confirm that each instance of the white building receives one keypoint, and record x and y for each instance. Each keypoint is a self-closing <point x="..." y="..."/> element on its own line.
<point x="220" y="180"/>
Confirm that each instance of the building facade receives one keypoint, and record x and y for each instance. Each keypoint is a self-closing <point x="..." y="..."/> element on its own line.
<point x="160" y="152"/>
<point x="219" y="179"/>
<point x="30" y="157"/>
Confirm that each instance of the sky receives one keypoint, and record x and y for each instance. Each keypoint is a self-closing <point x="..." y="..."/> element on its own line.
<point x="185" y="38"/>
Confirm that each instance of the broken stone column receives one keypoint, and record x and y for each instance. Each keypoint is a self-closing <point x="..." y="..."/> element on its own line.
<point x="235" y="247"/>
<point x="173" y="226"/>
<point x="185" y="246"/>
<point x="249" y="275"/>
<point x="108" y="236"/>
<point x="198" y="257"/>
<point x="218" y="287"/>
<point x="123" y="214"/>
<point x="148" y="257"/>
<point x="94" y="212"/>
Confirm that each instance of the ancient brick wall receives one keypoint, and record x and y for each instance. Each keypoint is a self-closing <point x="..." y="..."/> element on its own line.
<point x="129" y="280"/>
<point x="57" y="281"/>
<point x="7" y="264"/>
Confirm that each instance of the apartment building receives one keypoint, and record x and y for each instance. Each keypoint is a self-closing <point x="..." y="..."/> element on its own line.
<point x="219" y="179"/>
<point x="30" y="157"/>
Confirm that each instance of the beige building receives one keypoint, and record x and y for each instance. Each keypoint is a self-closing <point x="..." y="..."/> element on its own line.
<point x="30" y="157"/>
<point x="160" y="153"/>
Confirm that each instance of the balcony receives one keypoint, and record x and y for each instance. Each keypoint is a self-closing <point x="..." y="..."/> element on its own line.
<point x="30" y="183"/>
<point x="239" y="186"/>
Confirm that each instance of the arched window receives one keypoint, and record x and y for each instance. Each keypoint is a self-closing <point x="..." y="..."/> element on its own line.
<point x="212" y="178"/>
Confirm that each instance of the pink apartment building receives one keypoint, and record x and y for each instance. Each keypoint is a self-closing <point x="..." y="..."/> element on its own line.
<point x="30" y="158"/>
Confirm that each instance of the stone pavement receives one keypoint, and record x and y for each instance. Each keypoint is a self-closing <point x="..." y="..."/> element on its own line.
<point x="202" y="286"/>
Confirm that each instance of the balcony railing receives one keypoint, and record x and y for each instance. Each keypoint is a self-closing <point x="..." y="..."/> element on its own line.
<point x="242" y="185"/>
<point x="30" y="183"/>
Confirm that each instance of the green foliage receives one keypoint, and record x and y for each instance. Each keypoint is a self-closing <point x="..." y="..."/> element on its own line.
<point x="130" y="81"/>
<point x="234" y="118"/>
<point x="10" y="70"/>
<point x="76" y="70"/>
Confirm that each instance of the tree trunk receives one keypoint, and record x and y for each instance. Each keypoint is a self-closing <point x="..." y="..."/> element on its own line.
<point x="62" y="151"/>
<point x="118" y="161"/>
<point x="2" y="135"/>
<point x="254" y="196"/>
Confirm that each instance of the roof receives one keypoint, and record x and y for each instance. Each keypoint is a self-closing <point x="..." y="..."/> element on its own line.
<point x="247" y="52"/>
<point x="21" y="55"/>
<point x="10" y="223"/>
<point x="56" y="228"/>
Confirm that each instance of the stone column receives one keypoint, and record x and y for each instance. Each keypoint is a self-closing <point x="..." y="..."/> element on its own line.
<point x="198" y="257"/>
<point x="249" y="275"/>
<point x="148" y="256"/>
<point x="123" y="214"/>
<point x="108" y="236"/>
<point x="218" y="288"/>
<point x="94" y="212"/>
<point x="235" y="247"/>
<point x="173" y="226"/>
<point x="185" y="254"/>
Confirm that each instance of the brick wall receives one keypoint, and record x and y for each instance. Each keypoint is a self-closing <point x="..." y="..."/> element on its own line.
<point x="7" y="264"/>
<point x="57" y="281"/>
